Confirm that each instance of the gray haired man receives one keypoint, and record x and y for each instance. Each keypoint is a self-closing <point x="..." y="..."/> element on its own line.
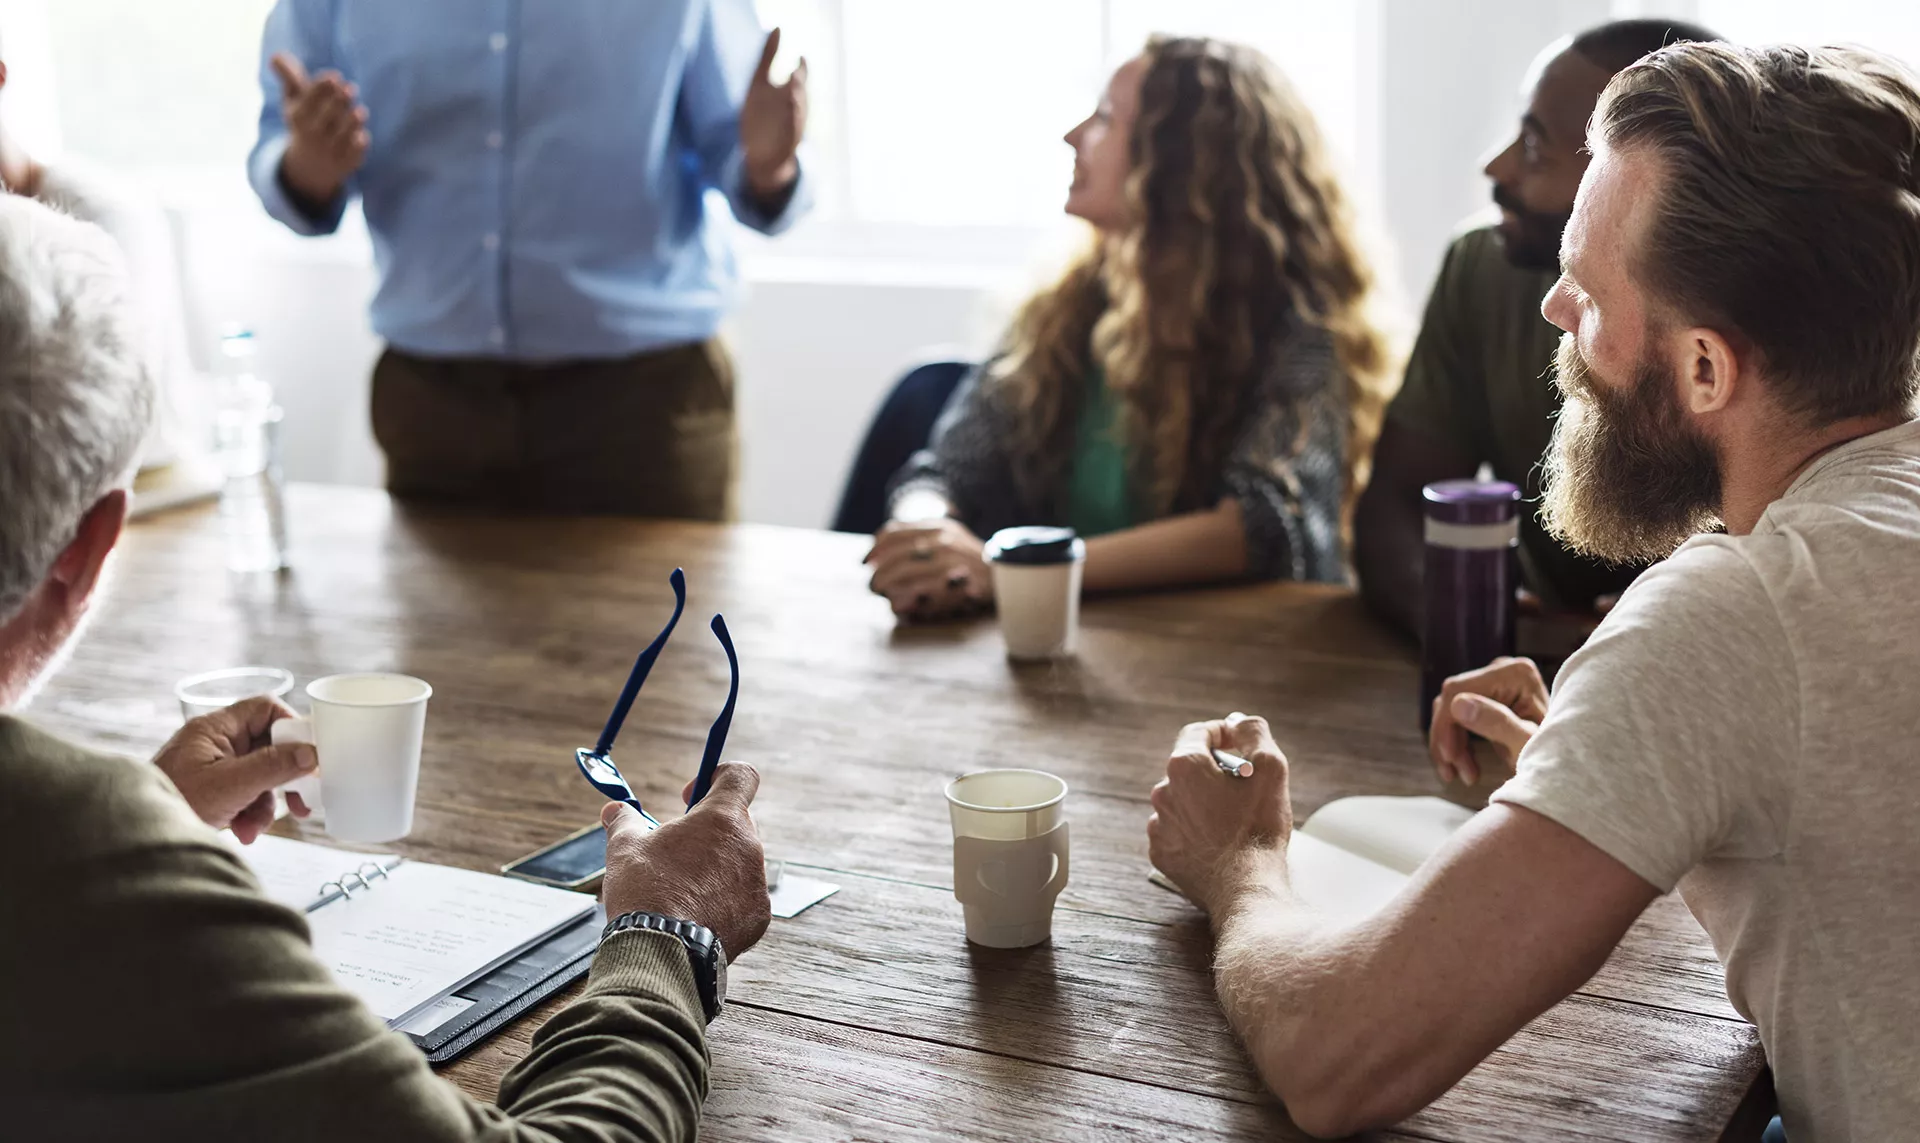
<point x="148" y="986"/>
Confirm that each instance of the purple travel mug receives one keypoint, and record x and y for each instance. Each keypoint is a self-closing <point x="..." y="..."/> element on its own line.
<point x="1472" y="565"/>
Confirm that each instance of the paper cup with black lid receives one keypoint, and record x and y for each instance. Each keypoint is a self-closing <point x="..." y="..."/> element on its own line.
<point x="1036" y="588"/>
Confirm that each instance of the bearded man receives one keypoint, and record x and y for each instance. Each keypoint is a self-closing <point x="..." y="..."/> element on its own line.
<point x="1476" y="389"/>
<point x="1740" y="291"/>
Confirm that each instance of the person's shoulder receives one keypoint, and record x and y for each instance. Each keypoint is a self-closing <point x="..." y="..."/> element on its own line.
<point x="57" y="792"/>
<point x="1706" y="602"/>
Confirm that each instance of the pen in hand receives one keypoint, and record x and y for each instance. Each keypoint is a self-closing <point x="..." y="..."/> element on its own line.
<point x="1232" y="765"/>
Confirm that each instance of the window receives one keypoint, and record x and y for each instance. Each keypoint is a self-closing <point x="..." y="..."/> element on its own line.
<point x="948" y="115"/>
<point x="1887" y="27"/>
<point x="139" y="85"/>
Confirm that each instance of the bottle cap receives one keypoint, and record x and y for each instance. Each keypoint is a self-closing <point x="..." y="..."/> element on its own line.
<point x="1472" y="501"/>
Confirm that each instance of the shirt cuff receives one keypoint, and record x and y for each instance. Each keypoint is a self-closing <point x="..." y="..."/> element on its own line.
<point x="643" y="962"/>
<point x="733" y="178"/>
<point x="264" y="173"/>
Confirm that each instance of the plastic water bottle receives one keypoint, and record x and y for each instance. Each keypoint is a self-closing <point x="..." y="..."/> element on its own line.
<point x="1472" y="571"/>
<point x="246" y="442"/>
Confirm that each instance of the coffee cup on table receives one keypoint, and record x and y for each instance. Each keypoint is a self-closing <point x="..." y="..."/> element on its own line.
<point x="367" y="730"/>
<point x="1009" y="854"/>
<point x="1036" y="589"/>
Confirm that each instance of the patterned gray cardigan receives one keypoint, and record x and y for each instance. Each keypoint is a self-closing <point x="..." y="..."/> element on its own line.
<point x="1287" y="469"/>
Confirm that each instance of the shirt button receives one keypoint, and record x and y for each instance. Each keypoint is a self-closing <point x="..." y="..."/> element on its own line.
<point x="498" y="336"/>
<point x="491" y="241"/>
<point x="498" y="41"/>
<point x="495" y="140"/>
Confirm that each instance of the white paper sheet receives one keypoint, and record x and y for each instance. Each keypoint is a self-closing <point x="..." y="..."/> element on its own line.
<point x="430" y="930"/>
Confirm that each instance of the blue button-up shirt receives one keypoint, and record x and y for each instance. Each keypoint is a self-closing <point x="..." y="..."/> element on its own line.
<point x="536" y="181"/>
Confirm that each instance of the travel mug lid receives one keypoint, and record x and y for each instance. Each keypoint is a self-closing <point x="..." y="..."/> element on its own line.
<point x="1035" y="544"/>
<point x="1472" y="501"/>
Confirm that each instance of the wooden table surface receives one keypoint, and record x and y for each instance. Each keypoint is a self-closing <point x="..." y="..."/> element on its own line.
<point x="869" y="1016"/>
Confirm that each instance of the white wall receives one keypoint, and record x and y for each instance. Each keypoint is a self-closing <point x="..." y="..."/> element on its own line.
<point x="818" y="341"/>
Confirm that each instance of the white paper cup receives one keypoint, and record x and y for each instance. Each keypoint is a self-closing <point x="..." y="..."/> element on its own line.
<point x="1010" y="854"/>
<point x="1036" y="589"/>
<point x="367" y="730"/>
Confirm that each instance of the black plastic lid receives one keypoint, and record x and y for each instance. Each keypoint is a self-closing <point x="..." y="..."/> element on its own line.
<point x="1034" y="544"/>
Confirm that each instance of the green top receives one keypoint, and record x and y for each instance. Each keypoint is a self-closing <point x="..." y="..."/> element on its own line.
<point x="1481" y="379"/>
<point x="152" y="991"/>
<point x="1099" y="498"/>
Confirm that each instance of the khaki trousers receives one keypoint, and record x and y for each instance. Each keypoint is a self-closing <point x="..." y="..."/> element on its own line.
<point x="649" y="435"/>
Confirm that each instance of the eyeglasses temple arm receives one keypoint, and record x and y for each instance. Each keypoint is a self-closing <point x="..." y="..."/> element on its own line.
<point x="643" y="665"/>
<point x="717" y="737"/>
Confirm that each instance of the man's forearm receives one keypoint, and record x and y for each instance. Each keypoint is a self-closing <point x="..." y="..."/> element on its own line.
<point x="628" y="1060"/>
<point x="1296" y="985"/>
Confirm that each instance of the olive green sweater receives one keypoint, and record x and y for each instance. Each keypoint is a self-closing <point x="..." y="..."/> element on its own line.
<point x="149" y="991"/>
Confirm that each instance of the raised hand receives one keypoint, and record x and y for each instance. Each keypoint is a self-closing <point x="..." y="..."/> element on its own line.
<point x="327" y="135"/>
<point x="772" y="120"/>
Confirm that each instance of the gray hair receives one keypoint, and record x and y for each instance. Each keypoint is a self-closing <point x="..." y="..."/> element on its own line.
<point x="75" y="398"/>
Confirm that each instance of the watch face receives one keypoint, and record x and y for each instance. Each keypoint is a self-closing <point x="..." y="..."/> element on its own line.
<point x="719" y="976"/>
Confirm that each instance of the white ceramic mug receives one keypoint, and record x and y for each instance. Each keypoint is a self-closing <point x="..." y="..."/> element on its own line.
<point x="367" y="730"/>
<point x="1010" y="854"/>
<point x="1036" y="589"/>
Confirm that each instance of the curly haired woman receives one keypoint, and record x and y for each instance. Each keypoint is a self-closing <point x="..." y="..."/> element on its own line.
<point x="1199" y="392"/>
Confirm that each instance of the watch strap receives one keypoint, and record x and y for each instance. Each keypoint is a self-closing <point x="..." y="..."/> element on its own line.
<point x="702" y="945"/>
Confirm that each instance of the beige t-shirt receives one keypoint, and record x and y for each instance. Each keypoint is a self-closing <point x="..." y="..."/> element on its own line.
<point x="1746" y="725"/>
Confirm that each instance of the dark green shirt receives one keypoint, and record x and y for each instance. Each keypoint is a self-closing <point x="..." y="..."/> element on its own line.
<point x="151" y="992"/>
<point x="1481" y="379"/>
<point x="1099" y="499"/>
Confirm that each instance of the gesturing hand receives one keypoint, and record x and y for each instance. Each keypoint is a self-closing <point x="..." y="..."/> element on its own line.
<point x="930" y="568"/>
<point x="1209" y="828"/>
<point x="1502" y="702"/>
<point x="706" y="866"/>
<point x="773" y="118"/>
<point x="224" y="766"/>
<point x="327" y="135"/>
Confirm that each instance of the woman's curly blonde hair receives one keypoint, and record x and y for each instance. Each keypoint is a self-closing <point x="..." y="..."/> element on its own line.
<point x="1238" y="221"/>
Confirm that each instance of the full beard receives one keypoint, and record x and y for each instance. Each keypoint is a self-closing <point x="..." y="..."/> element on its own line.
<point x="1627" y="479"/>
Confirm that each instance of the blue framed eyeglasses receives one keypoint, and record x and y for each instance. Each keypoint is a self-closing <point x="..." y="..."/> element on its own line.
<point x="597" y="763"/>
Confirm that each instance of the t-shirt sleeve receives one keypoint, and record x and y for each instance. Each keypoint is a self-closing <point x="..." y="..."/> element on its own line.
<point x="1671" y="735"/>
<point x="1437" y="393"/>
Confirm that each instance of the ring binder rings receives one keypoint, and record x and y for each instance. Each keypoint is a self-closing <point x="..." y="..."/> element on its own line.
<point x="341" y="887"/>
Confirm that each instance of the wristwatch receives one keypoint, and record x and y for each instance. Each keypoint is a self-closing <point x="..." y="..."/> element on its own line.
<point x="704" y="952"/>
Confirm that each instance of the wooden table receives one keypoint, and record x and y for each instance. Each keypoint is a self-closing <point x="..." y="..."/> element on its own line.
<point x="869" y="1016"/>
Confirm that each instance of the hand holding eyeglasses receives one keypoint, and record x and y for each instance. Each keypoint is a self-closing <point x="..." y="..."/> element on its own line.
<point x="596" y="762"/>
<point x="706" y="867"/>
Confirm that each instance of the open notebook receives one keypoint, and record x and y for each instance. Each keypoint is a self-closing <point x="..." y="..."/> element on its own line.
<point x="1355" y="853"/>
<point x="403" y="935"/>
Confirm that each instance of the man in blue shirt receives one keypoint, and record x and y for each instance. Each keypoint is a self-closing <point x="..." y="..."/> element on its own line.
<point x="534" y="177"/>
